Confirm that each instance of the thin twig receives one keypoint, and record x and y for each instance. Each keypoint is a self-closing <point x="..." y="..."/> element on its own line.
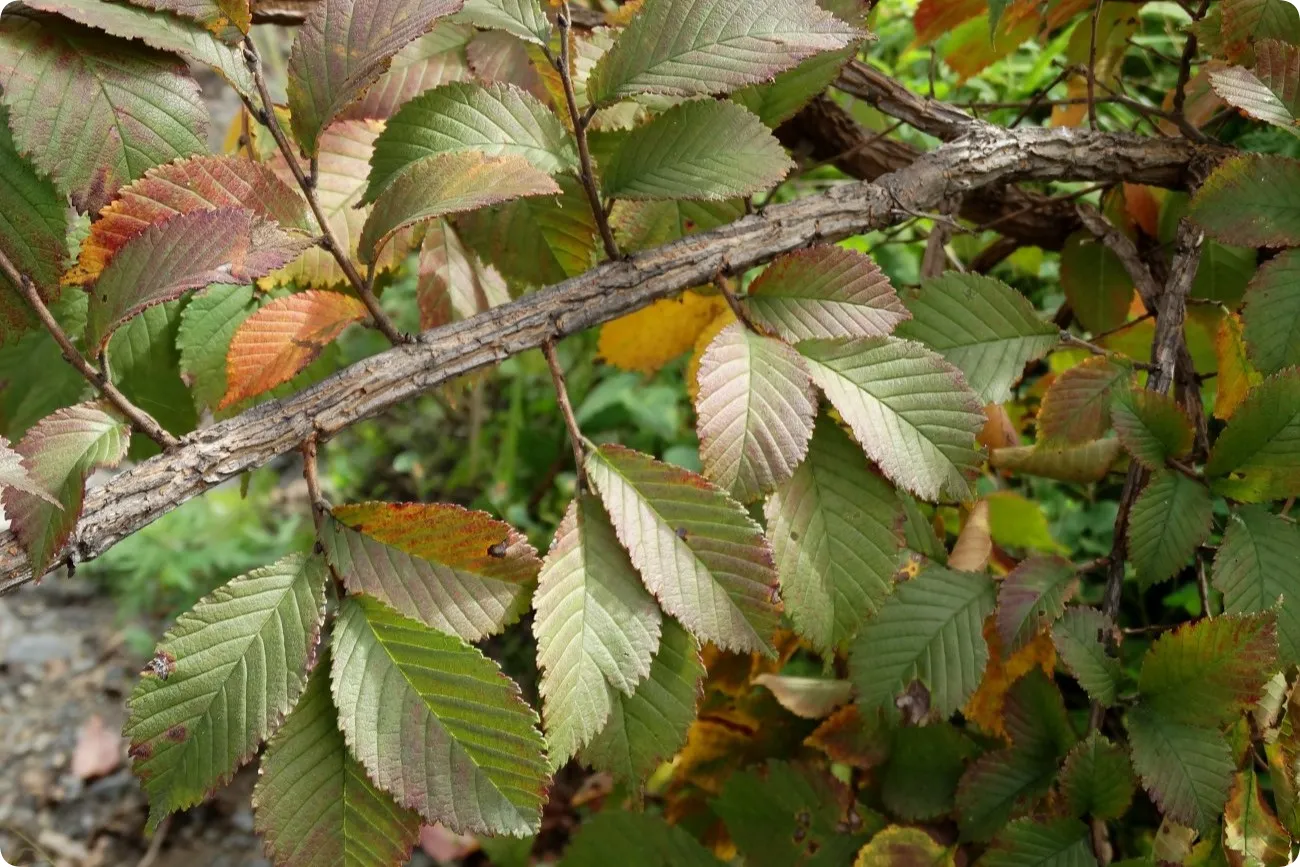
<point x="576" y="439"/>
<point x="307" y="183"/>
<point x="1185" y="65"/>
<point x="320" y="507"/>
<point x="156" y="844"/>
<point x="1203" y="588"/>
<point x="1092" y="66"/>
<point x="580" y="121"/>
<point x="139" y="419"/>
<point x="1074" y="340"/>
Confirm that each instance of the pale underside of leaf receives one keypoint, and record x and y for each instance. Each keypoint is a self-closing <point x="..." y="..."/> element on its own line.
<point x="226" y="675"/>
<point x="697" y="550"/>
<point x="522" y="18"/>
<point x="436" y="723"/>
<point x="596" y="627"/>
<point x="1270" y="91"/>
<point x="756" y="408"/>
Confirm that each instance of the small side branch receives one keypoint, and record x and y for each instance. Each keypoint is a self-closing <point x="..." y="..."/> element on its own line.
<point x="576" y="439"/>
<point x="307" y="183"/>
<point x="580" y="123"/>
<point x="139" y="419"/>
<point x="320" y="507"/>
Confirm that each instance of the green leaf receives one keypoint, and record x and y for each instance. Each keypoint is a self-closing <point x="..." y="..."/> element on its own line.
<point x="786" y="815"/>
<point x="1209" y="671"/>
<point x="836" y="532"/>
<point x="1251" y="200"/>
<point x="1151" y="426"/>
<point x="1077" y="405"/>
<point x="1259" y="451"/>
<point x="697" y="150"/>
<point x="455" y="570"/>
<point x="1089" y="462"/>
<point x="919" y="533"/>
<point x="1249" y="826"/>
<point x="650" y="725"/>
<point x="988" y="330"/>
<point x="222" y="679"/>
<point x="448" y="183"/>
<point x="777" y="101"/>
<point x="1170" y="519"/>
<point x="1097" y="780"/>
<point x="342" y="48"/>
<point x="1252" y="21"/>
<point x="522" y="18"/>
<point x="158" y="30"/>
<point x="755" y="407"/>
<point x="919" y="781"/>
<point x="635" y="840"/>
<point x="436" y="723"/>
<point x="1268" y="92"/>
<point x="146" y="367"/>
<point x="684" y="48"/>
<point x="33" y="226"/>
<point x="909" y="408"/>
<point x="1186" y="769"/>
<point x="597" y="628"/>
<point x="536" y="241"/>
<point x="930" y="630"/>
<point x="1255" y="567"/>
<point x="1272" y="314"/>
<point x="494" y="119"/>
<point x="188" y="251"/>
<point x="228" y="19"/>
<point x="314" y="803"/>
<point x="59" y="452"/>
<point x="640" y="225"/>
<point x="825" y="292"/>
<point x="1029" y="843"/>
<point x="1079" y="637"/>
<point x="697" y="549"/>
<point x="1032" y="597"/>
<point x="1096" y="285"/>
<point x="1223" y="273"/>
<point x="92" y="112"/>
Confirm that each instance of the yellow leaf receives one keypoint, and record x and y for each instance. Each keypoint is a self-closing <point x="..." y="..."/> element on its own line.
<point x="1237" y="375"/>
<point x="984" y="707"/>
<point x="1016" y="522"/>
<point x="648" y="339"/>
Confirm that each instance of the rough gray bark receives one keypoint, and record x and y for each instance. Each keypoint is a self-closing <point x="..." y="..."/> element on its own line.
<point x="987" y="156"/>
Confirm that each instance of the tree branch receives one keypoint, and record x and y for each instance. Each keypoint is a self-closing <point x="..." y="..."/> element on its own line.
<point x="139" y="419"/>
<point x="986" y="157"/>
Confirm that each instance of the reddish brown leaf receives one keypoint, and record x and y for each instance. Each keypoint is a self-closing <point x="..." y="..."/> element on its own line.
<point x="1076" y="408"/>
<point x="852" y="738"/>
<point x="274" y="344"/>
<point x="935" y="18"/>
<point x="99" y="751"/>
<point x="198" y="184"/>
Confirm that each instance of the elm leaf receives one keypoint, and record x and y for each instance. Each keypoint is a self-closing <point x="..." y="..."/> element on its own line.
<point x="1097" y="779"/>
<point x="33" y="228"/>
<point x="1032" y="597"/>
<point x="436" y="723"/>
<point x="1256" y="566"/>
<point x="756" y="407"/>
<point x="223" y="678"/>
<point x="1259" y="451"/>
<point x="1270" y="91"/>
<point x="1151" y="426"/>
<point x="1187" y="769"/>
<point x="1251" y="200"/>
<point x="522" y="18"/>
<point x="1080" y="639"/>
<point x="1170" y="519"/>
<point x="1076" y="406"/>
<point x="1271" y="317"/>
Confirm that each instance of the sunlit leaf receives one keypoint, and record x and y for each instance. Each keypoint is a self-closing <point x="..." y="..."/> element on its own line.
<point x="1251" y="200"/>
<point x="222" y="680"/>
<point x="455" y="570"/>
<point x="825" y="292"/>
<point x="697" y="549"/>
<point x="342" y="48"/>
<point x="1151" y="426"/>
<point x="186" y="252"/>
<point x="1259" y="451"/>
<point x="92" y="112"/>
<point x="1076" y="407"/>
<point x="314" y="803"/>
<point x="198" y="184"/>
<point x="597" y="628"/>
<point x="1032" y="597"/>
<point x="974" y="545"/>
<point x="436" y="723"/>
<point x="988" y="330"/>
<point x="808" y="697"/>
<point x="1080" y="637"/>
<point x="681" y="48"/>
<point x="928" y="630"/>
<point x="59" y="452"/>
<point x="1170" y="519"/>
<point x="756" y="407"/>
<point x="650" y="725"/>
<point x="912" y="411"/>
<point x="697" y="150"/>
<point x="901" y="845"/>
<point x="279" y="340"/>
<point x="986" y="708"/>
<point x="448" y="183"/>
<point x="496" y="119"/>
<point x="836" y="535"/>
<point x="1256" y="566"/>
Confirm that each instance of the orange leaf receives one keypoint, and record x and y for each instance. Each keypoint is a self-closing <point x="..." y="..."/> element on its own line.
<point x="1143" y="208"/>
<point x="984" y="707"/>
<point x="1237" y="375"/>
<point x="274" y="344"/>
<point x="934" y="18"/>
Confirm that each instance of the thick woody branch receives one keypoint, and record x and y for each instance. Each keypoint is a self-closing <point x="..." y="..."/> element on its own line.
<point x="206" y="458"/>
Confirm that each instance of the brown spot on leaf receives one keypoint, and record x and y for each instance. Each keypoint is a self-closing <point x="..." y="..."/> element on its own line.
<point x="161" y="666"/>
<point x="140" y="751"/>
<point x="499" y="549"/>
<point x="176" y="733"/>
